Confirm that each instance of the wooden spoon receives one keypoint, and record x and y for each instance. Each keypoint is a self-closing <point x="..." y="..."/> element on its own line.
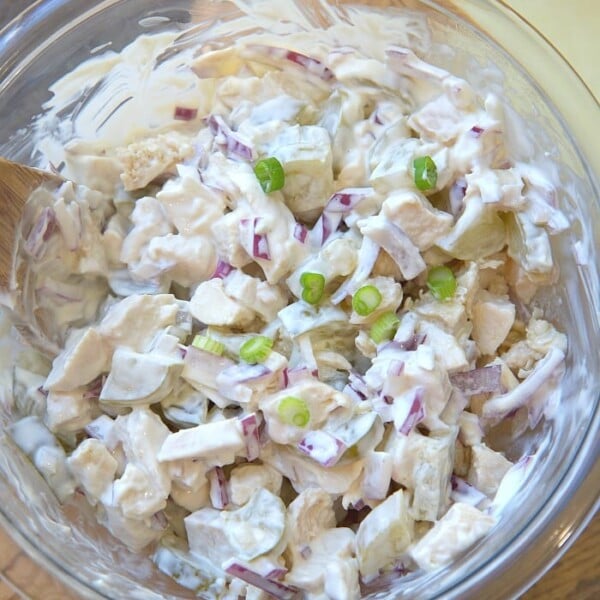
<point x="17" y="183"/>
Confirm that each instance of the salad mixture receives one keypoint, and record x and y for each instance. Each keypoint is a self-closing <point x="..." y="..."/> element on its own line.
<point x="288" y="297"/>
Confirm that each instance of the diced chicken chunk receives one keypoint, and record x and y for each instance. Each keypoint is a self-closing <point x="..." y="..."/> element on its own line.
<point x="310" y="513"/>
<point x="134" y="321"/>
<point x="487" y="469"/>
<point x="218" y="443"/>
<point x="139" y="378"/>
<point x="145" y="160"/>
<point x="492" y="316"/>
<point x="93" y="466"/>
<point x="211" y="305"/>
<point x="384" y="534"/>
<point x="413" y="213"/>
<point x="330" y="567"/>
<point x="68" y="411"/>
<point x="455" y="532"/>
<point x="246" y="479"/>
<point x="83" y="359"/>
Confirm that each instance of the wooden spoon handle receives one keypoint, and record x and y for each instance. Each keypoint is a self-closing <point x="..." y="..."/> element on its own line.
<point x="17" y="182"/>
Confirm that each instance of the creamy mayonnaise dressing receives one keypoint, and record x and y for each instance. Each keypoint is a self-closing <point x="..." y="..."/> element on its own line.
<point x="341" y="453"/>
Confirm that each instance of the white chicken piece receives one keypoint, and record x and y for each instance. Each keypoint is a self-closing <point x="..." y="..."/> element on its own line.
<point x="254" y="294"/>
<point x="391" y="298"/>
<point x="68" y="412"/>
<point x="135" y="321"/>
<point x="320" y="399"/>
<point x="487" y="469"/>
<point x="493" y="317"/>
<point x="384" y="534"/>
<point x="84" y="358"/>
<point x="136" y="534"/>
<point x="93" y="467"/>
<point x="470" y="430"/>
<point x="149" y="222"/>
<point x="217" y="443"/>
<point x="304" y="473"/>
<point x="337" y="258"/>
<point x="415" y="215"/>
<point x="305" y="154"/>
<point x="185" y="259"/>
<point x="191" y="206"/>
<point x="449" y="354"/>
<point x="330" y="569"/>
<point x="420" y="370"/>
<point x="140" y="378"/>
<point x="244" y="480"/>
<point x="146" y="159"/>
<point x="455" y="532"/>
<point x="423" y="464"/>
<point x="247" y="532"/>
<point x="145" y="485"/>
<point x="501" y="187"/>
<point x="226" y="235"/>
<point x="478" y="232"/>
<point x="211" y="305"/>
<point x="308" y="515"/>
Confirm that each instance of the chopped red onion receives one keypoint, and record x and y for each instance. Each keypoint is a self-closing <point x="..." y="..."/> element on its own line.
<point x="230" y="141"/>
<point x="396" y="243"/>
<point x="413" y="411"/>
<point x="353" y="394"/>
<point x="250" y="432"/>
<point x="367" y="256"/>
<point x="541" y="381"/>
<point x="456" y="197"/>
<point x="159" y="521"/>
<point x="476" y="131"/>
<point x="254" y="243"/>
<point x="185" y="114"/>
<point x="103" y="429"/>
<point x="297" y="374"/>
<point x="322" y="447"/>
<point x="325" y="226"/>
<point x="300" y="232"/>
<point x="203" y="367"/>
<point x="306" y="552"/>
<point x="219" y="493"/>
<point x="222" y="270"/>
<point x="272" y="55"/>
<point x="395" y="368"/>
<point x="463" y="491"/>
<point x="41" y="232"/>
<point x="277" y="574"/>
<point x="357" y="382"/>
<point x="94" y="388"/>
<point x="278" y="590"/>
<point x="345" y="200"/>
<point x="478" y="381"/>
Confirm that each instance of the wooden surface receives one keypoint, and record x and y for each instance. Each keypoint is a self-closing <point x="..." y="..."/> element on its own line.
<point x="577" y="575"/>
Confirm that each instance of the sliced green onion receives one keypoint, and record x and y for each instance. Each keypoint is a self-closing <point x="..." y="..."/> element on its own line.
<point x="441" y="282"/>
<point x="425" y="173"/>
<point x="384" y="327"/>
<point x="208" y="344"/>
<point x="293" y="411"/>
<point x="256" y="349"/>
<point x="313" y="285"/>
<point x="366" y="300"/>
<point x="270" y="175"/>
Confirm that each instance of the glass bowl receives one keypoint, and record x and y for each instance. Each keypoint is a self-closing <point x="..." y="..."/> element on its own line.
<point x="483" y="41"/>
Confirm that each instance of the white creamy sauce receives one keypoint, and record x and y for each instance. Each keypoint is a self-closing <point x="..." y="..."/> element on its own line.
<point x="153" y="284"/>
